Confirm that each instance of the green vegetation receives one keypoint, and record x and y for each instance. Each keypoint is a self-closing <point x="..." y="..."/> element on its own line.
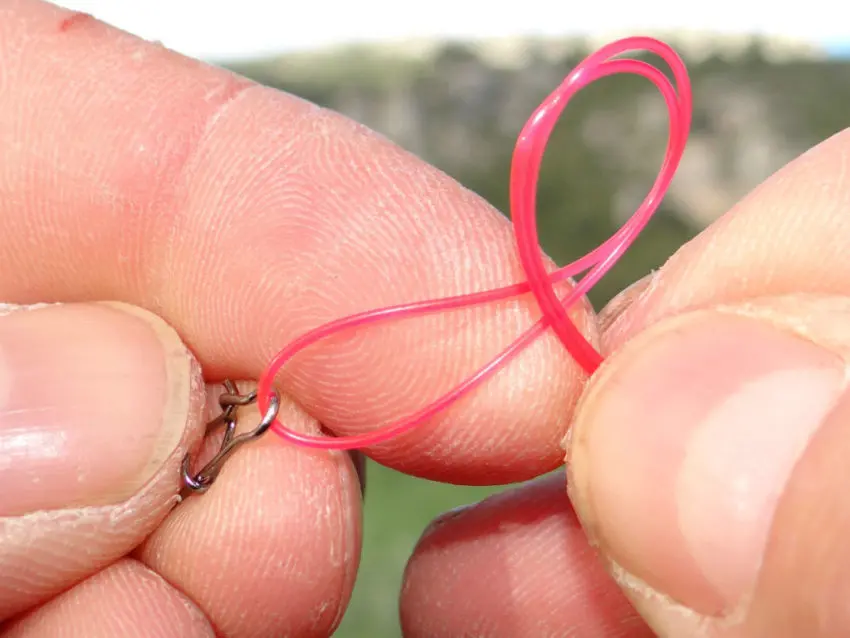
<point x="462" y="114"/>
<point x="397" y="510"/>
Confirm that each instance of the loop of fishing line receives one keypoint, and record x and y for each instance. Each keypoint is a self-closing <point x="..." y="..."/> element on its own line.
<point x="525" y="171"/>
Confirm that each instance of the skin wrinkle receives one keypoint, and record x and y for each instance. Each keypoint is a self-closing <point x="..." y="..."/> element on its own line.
<point x="24" y="536"/>
<point x="232" y="90"/>
<point x="147" y="199"/>
<point x="151" y="579"/>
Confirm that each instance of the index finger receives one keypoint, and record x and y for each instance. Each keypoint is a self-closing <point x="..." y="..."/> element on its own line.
<point x="245" y="217"/>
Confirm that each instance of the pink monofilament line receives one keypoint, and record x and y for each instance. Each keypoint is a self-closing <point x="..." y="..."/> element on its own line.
<point x="525" y="170"/>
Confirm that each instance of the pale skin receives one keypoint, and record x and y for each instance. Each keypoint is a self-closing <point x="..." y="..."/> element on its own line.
<point x="222" y="219"/>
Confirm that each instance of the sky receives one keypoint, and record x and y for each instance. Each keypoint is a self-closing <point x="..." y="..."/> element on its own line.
<point x="221" y="29"/>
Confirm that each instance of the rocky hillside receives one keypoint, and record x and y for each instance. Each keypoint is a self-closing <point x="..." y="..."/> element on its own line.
<point x="460" y="107"/>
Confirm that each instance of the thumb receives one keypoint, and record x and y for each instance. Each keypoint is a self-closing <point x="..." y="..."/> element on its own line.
<point x="708" y="461"/>
<point x="97" y="403"/>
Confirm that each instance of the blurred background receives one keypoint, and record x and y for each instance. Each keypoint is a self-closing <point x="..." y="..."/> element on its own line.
<point x="454" y="81"/>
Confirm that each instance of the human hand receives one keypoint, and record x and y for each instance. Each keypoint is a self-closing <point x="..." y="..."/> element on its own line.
<point x="244" y="217"/>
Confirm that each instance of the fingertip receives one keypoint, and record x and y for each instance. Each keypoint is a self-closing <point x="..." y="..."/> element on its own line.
<point x="273" y="547"/>
<point x="704" y="446"/>
<point x="140" y="604"/>
<point x="98" y="403"/>
<point x="516" y="564"/>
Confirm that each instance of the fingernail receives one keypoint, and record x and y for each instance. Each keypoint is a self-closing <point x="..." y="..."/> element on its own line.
<point x="93" y="399"/>
<point x="683" y="447"/>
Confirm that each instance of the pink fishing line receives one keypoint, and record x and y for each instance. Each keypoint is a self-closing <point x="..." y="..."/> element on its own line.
<point x="525" y="171"/>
